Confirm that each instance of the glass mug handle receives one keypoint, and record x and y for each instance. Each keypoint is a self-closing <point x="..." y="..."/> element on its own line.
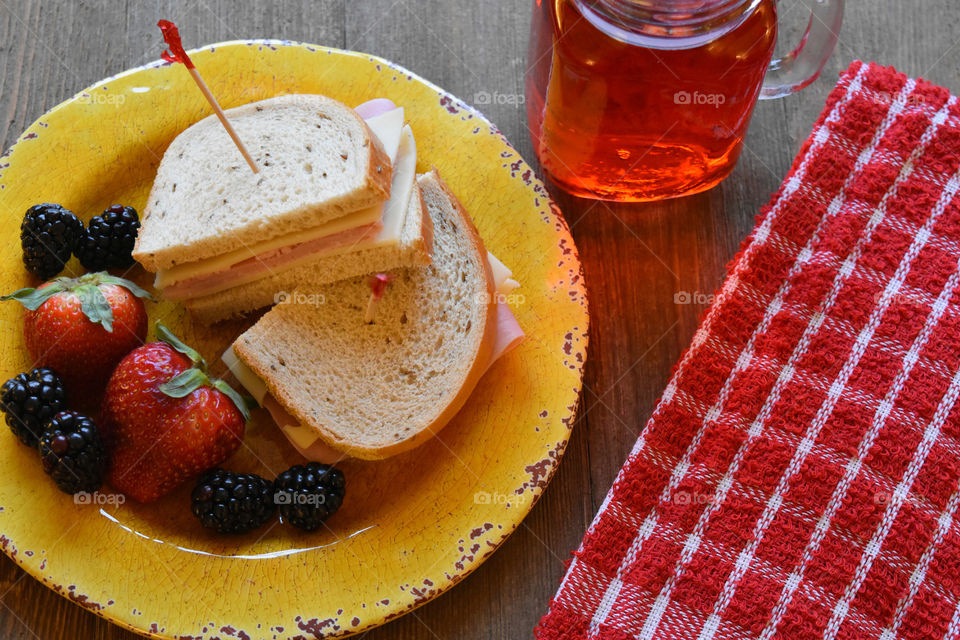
<point x="801" y="66"/>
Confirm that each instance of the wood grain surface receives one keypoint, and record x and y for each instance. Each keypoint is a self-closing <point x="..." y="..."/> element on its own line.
<point x="637" y="258"/>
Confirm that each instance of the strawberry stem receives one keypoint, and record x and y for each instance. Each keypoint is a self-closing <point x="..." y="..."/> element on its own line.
<point x="95" y="306"/>
<point x="188" y="381"/>
<point x="179" y="345"/>
<point x="185" y="383"/>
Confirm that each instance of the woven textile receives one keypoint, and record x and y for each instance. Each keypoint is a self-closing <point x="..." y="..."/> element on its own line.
<point x="799" y="477"/>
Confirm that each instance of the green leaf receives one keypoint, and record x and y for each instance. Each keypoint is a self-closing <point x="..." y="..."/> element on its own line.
<point x="234" y="396"/>
<point x="95" y="306"/>
<point x="168" y="336"/>
<point x="33" y="298"/>
<point x="106" y="278"/>
<point x="185" y="383"/>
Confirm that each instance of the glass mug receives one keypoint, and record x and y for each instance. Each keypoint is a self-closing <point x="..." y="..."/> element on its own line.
<point x="636" y="100"/>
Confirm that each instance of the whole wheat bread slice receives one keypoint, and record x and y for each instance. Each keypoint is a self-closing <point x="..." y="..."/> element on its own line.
<point x="413" y="249"/>
<point x="318" y="160"/>
<point x="375" y="390"/>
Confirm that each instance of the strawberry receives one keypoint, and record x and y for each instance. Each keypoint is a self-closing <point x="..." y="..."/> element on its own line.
<point x="82" y="327"/>
<point x="164" y="420"/>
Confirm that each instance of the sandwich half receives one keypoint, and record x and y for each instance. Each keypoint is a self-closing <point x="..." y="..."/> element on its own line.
<point x="226" y="241"/>
<point x="405" y="238"/>
<point x="373" y="390"/>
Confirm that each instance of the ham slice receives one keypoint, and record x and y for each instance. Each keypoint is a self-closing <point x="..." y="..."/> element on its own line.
<point x="318" y="451"/>
<point x="256" y="266"/>
<point x="509" y="334"/>
<point x="374" y="108"/>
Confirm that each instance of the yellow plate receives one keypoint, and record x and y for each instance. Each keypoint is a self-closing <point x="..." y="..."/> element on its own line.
<point x="411" y="527"/>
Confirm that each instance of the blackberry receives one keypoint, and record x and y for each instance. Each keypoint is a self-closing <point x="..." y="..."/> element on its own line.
<point x="232" y="502"/>
<point x="48" y="235"/>
<point x="108" y="241"/>
<point x="29" y="400"/>
<point x="306" y="495"/>
<point x="72" y="452"/>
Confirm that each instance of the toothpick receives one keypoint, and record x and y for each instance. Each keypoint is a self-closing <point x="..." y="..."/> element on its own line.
<point x="171" y="35"/>
<point x="378" y="285"/>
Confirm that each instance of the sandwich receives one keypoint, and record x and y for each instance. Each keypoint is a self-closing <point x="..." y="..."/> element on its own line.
<point x="335" y="196"/>
<point x="339" y="385"/>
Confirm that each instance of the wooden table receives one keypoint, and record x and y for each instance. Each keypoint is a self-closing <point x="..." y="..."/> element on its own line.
<point x="636" y="257"/>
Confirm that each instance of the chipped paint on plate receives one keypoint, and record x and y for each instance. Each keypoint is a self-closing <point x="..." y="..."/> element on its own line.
<point x="412" y="526"/>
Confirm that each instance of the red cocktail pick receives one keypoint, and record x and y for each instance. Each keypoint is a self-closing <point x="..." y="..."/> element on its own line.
<point x="378" y="285"/>
<point x="171" y="35"/>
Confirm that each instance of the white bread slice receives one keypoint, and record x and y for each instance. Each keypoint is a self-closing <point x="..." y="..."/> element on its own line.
<point x="318" y="161"/>
<point x="413" y="250"/>
<point x="376" y="390"/>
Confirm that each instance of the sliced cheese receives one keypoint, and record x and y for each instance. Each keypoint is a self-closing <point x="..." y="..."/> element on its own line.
<point x="502" y="275"/>
<point x="404" y="175"/>
<point x="300" y="436"/>
<point x="250" y="381"/>
<point x="181" y="272"/>
<point x="501" y="272"/>
<point x="502" y="280"/>
<point x="389" y="129"/>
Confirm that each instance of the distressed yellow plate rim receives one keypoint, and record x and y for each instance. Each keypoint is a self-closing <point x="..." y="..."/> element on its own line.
<point x="516" y="425"/>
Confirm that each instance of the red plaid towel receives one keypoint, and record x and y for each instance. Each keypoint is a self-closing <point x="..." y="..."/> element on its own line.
<point x="799" y="477"/>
